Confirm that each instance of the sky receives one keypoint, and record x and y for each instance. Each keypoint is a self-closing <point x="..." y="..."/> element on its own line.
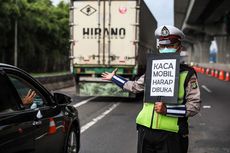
<point x="162" y="10"/>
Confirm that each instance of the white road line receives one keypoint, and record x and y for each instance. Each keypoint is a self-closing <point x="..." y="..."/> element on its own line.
<point x="95" y="120"/>
<point x="206" y="106"/>
<point x="41" y="136"/>
<point x="84" y="102"/>
<point x="46" y="133"/>
<point x="206" y="88"/>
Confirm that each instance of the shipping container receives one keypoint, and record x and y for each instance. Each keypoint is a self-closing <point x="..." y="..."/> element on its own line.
<point x="108" y="34"/>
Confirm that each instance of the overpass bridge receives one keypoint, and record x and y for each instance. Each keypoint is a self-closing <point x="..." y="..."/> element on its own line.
<point x="203" y="21"/>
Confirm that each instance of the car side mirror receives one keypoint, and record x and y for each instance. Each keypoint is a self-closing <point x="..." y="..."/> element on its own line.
<point x="61" y="98"/>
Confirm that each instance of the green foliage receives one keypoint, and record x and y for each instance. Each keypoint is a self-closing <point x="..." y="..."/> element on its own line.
<point x="43" y="34"/>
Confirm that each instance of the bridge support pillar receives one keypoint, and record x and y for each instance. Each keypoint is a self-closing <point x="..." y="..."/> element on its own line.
<point x="190" y="53"/>
<point x="223" y="45"/>
<point x="201" y="47"/>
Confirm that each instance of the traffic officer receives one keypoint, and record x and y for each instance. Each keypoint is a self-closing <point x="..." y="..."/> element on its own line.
<point x="163" y="128"/>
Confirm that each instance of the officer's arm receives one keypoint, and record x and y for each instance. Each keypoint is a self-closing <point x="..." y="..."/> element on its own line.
<point x="193" y="101"/>
<point x="192" y="97"/>
<point x="131" y="86"/>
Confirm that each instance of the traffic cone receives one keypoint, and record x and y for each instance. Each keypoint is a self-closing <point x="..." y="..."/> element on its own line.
<point x="199" y="69"/>
<point x="203" y="70"/>
<point x="221" y="75"/>
<point x="207" y="71"/>
<point x="52" y="126"/>
<point x="195" y="68"/>
<point x="227" y="78"/>
<point x="212" y="73"/>
<point x="216" y="73"/>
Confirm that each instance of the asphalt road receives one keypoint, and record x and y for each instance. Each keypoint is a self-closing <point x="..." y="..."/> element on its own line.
<point x="108" y="124"/>
<point x="210" y="129"/>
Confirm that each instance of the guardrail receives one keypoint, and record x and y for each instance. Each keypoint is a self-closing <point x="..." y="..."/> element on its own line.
<point x="57" y="81"/>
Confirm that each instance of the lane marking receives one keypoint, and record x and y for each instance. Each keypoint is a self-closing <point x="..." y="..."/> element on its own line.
<point x="98" y="118"/>
<point x="206" y="88"/>
<point x="202" y="124"/>
<point x="46" y="133"/>
<point x="41" y="136"/>
<point x="206" y="106"/>
<point x="84" y="102"/>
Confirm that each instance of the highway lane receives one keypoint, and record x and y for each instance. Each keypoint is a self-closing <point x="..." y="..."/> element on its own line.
<point x="109" y="123"/>
<point x="210" y="129"/>
<point x="115" y="132"/>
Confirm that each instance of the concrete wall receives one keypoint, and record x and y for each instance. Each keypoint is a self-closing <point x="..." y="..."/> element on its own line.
<point x="57" y="82"/>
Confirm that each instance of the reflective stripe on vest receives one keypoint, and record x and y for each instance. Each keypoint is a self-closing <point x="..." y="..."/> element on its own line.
<point x="159" y="121"/>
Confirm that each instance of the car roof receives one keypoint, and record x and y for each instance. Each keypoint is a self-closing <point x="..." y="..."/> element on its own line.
<point x="8" y="66"/>
<point x="3" y="65"/>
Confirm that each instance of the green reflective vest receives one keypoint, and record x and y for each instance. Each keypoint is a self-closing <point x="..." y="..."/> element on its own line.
<point x="149" y="118"/>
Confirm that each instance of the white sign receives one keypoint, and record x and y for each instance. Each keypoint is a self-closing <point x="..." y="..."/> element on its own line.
<point x="163" y="77"/>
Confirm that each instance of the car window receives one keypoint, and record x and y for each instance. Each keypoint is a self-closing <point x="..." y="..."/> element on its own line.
<point x="31" y="97"/>
<point x="8" y="100"/>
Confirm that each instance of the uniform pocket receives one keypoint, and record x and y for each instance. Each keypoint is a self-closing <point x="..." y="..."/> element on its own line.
<point x="168" y="123"/>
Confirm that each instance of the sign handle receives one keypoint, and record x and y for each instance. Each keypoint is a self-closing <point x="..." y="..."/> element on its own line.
<point x="159" y="98"/>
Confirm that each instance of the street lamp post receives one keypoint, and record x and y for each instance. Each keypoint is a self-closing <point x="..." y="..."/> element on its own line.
<point x="16" y="40"/>
<point x="16" y="43"/>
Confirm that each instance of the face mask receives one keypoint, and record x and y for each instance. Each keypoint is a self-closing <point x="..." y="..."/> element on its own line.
<point x="167" y="50"/>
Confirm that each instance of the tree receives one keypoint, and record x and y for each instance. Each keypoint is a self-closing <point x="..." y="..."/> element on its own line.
<point x="43" y="34"/>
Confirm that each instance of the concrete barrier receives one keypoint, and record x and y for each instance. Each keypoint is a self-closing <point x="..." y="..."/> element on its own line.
<point x="220" y="71"/>
<point x="57" y="82"/>
<point x="224" y="67"/>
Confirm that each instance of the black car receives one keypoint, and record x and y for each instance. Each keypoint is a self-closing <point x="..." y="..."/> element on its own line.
<point x="49" y="124"/>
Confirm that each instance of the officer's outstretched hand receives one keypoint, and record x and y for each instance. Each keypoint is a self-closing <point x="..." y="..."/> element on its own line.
<point x="108" y="76"/>
<point x="160" y="108"/>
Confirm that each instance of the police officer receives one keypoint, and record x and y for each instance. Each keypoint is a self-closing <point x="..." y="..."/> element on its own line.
<point x="163" y="128"/>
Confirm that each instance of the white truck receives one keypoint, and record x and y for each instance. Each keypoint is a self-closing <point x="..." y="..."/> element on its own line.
<point x="108" y="34"/>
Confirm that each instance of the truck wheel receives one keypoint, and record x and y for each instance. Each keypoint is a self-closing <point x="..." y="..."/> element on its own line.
<point x="71" y="146"/>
